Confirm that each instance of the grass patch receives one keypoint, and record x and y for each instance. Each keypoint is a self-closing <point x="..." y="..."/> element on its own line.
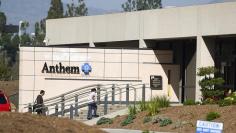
<point x="132" y="110"/>
<point x="212" y="116"/>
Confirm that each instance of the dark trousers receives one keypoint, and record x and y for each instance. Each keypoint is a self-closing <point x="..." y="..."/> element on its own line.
<point x="39" y="111"/>
<point x="92" y="110"/>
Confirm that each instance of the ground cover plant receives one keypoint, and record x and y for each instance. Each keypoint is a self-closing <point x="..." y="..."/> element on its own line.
<point x="104" y="120"/>
<point x="128" y="120"/>
<point x="212" y="116"/>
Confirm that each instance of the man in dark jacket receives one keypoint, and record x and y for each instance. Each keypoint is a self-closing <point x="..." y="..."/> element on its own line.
<point x="39" y="102"/>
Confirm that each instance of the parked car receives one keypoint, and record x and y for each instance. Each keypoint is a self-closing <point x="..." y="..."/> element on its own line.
<point x="4" y="102"/>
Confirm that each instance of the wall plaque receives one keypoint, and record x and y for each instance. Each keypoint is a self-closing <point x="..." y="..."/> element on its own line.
<point x="156" y="82"/>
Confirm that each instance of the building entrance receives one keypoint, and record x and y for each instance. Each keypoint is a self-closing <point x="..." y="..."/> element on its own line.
<point x="225" y="61"/>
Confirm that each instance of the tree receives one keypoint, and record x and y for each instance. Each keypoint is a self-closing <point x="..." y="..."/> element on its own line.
<point x="3" y="21"/>
<point x="75" y="11"/>
<point x="23" y="27"/>
<point x="55" y="10"/>
<point x="137" y="5"/>
<point x="40" y="31"/>
<point x="210" y="84"/>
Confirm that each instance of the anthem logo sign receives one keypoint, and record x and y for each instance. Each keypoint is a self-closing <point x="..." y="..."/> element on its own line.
<point x="59" y="68"/>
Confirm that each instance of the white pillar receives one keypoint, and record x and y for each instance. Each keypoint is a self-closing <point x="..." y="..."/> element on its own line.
<point x="142" y="43"/>
<point x="91" y="44"/>
<point x="204" y="50"/>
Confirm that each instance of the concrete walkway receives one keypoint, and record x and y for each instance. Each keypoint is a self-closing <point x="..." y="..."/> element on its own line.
<point x="127" y="131"/>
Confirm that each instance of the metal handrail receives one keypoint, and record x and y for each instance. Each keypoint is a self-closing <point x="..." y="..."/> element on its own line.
<point x="82" y="102"/>
<point x="77" y="92"/>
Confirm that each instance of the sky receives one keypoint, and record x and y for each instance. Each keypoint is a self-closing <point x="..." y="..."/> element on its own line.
<point x="116" y="4"/>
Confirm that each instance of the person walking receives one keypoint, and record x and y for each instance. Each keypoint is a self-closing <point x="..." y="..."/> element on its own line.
<point x="92" y="106"/>
<point x="40" y="104"/>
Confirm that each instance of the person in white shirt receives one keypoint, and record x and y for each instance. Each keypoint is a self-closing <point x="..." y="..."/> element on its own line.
<point x="92" y="106"/>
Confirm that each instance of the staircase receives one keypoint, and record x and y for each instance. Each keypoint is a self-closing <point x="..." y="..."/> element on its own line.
<point x="74" y="104"/>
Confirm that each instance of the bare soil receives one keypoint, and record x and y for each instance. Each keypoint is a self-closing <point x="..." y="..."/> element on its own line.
<point x="188" y="114"/>
<point x="27" y="123"/>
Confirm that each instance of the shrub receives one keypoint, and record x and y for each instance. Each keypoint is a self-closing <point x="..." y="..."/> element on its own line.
<point x="155" y="103"/>
<point x="128" y="120"/>
<point x="189" y="102"/>
<point x="209" y="83"/>
<point x="162" y="101"/>
<point x="165" y="122"/>
<point x="104" y="120"/>
<point x="209" y="101"/>
<point x="132" y="110"/>
<point x="153" y="108"/>
<point x="212" y="115"/>
<point x="147" y="119"/>
<point x="142" y="105"/>
<point x="224" y="102"/>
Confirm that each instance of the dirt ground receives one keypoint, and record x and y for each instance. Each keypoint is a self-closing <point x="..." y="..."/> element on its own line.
<point x="9" y="87"/>
<point x="189" y="114"/>
<point x="27" y="123"/>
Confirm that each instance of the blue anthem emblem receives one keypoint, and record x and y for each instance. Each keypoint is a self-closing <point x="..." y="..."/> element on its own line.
<point x="86" y="68"/>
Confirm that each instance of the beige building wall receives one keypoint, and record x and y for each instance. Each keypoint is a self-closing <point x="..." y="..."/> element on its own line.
<point x="109" y="66"/>
<point x="179" y="22"/>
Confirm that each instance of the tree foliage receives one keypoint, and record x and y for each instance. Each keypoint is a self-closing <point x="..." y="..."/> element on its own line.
<point x="3" y="21"/>
<point x="40" y="31"/>
<point x="55" y="10"/>
<point x="137" y="5"/>
<point x="210" y="83"/>
<point x="75" y="10"/>
<point x="23" y="27"/>
<point x="8" y="51"/>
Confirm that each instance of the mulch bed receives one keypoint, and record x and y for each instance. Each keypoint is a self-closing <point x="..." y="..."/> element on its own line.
<point x="27" y="123"/>
<point x="188" y="114"/>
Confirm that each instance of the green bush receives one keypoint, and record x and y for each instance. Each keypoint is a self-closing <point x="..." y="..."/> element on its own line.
<point x="104" y="120"/>
<point x="209" y="83"/>
<point x="224" y="102"/>
<point x="153" y="108"/>
<point x="162" y="101"/>
<point x="162" y="120"/>
<point x="142" y="105"/>
<point x="155" y="103"/>
<point x="128" y="120"/>
<point x="165" y="122"/>
<point x="147" y="119"/>
<point x="189" y="102"/>
<point x="132" y="110"/>
<point x="212" y="115"/>
<point x="209" y="101"/>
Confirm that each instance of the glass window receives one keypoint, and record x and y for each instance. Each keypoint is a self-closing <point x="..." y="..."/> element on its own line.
<point x="3" y="99"/>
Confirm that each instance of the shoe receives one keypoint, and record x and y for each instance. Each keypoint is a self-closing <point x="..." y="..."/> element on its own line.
<point x="95" y="116"/>
<point x="89" y="118"/>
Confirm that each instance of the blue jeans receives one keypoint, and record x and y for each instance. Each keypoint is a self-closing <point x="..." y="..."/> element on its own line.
<point x="92" y="110"/>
